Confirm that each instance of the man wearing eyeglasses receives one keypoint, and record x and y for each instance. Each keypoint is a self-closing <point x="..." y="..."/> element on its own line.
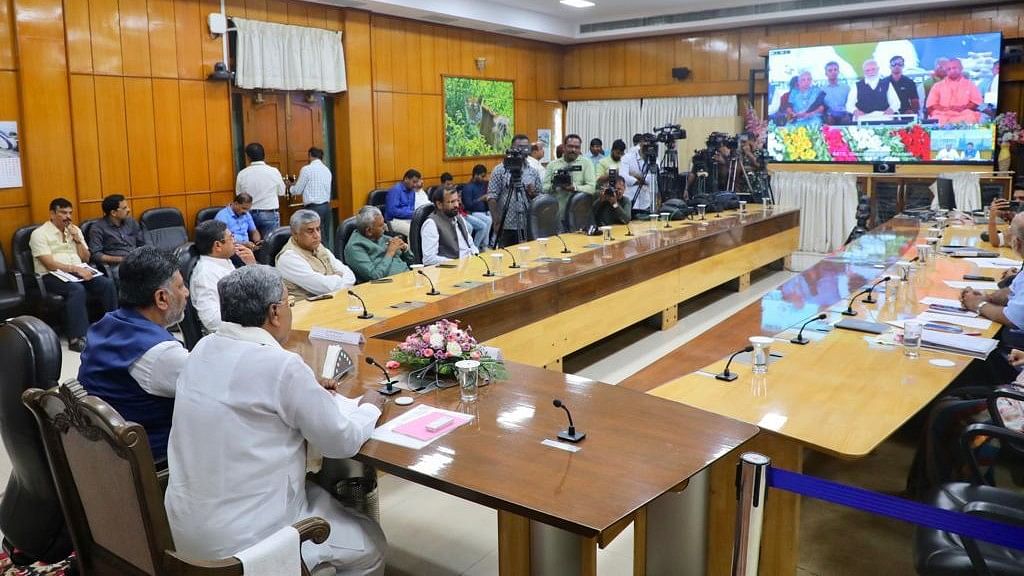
<point x="906" y="89"/>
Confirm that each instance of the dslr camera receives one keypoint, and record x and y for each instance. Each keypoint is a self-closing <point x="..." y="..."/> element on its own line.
<point x="515" y="161"/>
<point x="563" y="176"/>
<point x="609" y="189"/>
<point x="669" y="133"/>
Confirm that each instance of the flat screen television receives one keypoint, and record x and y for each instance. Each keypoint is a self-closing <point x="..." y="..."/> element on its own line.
<point x="918" y="100"/>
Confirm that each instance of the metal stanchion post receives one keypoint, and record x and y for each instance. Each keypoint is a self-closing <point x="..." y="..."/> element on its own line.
<point x="751" y="488"/>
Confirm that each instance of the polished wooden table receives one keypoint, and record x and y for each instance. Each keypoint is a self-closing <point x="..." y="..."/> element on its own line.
<point x="548" y="309"/>
<point x="637" y="448"/>
<point x="839" y="395"/>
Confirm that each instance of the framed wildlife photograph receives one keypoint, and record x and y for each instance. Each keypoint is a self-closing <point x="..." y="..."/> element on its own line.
<point x="479" y="117"/>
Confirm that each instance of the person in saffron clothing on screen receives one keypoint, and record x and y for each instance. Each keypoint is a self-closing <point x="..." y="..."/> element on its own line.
<point x="955" y="98"/>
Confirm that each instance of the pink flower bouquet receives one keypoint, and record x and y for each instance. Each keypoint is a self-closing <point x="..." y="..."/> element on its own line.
<point x="439" y="346"/>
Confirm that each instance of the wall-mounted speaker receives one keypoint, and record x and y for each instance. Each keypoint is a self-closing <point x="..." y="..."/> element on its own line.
<point x="681" y="73"/>
<point x="884" y="167"/>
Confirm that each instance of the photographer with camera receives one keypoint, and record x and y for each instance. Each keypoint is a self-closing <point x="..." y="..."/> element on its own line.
<point x="639" y="167"/>
<point x="1005" y="210"/>
<point x="612" y="162"/>
<point x="511" y="216"/>
<point x="569" y="174"/>
<point x="611" y="206"/>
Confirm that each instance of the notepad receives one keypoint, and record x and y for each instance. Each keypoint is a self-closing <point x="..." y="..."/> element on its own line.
<point x="977" y="285"/>
<point x="421" y="428"/>
<point x="411" y="423"/>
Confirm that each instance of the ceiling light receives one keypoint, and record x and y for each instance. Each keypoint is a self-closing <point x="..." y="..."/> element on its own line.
<point x="577" y="3"/>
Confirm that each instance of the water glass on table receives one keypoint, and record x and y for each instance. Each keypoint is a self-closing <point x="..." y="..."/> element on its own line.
<point x="417" y="278"/>
<point x="469" y="374"/>
<point x="759" y="357"/>
<point x="701" y="212"/>
<point x="912" y="338"/>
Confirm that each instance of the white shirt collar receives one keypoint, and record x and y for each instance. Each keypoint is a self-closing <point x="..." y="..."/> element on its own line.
<point x="253" y="334"/>
<point x="222" y="262"/>
<point x="257" y="163"/>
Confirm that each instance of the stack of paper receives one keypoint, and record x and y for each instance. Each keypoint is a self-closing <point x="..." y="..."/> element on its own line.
<point x="996" y="263"/>
<point x="973" y="346"/>
<point x="976" y="284"/>
<point x="976" y="323"/>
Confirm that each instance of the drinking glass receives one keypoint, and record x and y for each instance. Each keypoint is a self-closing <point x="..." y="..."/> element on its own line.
<point x="353" y="304"/>
<point x="543" y="247"/>
<point x="417" y="278"/>
<point x="759" y="357"/>
<point x="912" y="338"/>
<point x="924" y="253"/>
<point x="496" y="259"/>
<point x="654" y="222"/>
<point x="469" y="373"/>
<point x="524" y="255"/>
<point x="743" y="207"/>
<point x="766" y="203"/>
<point x="701" y="211"/>
<point x="666" y="216"/>
<point x="607" y="230"/>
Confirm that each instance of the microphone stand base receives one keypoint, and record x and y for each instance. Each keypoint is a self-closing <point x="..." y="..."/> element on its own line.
<point x="389" y="389"/>
<point x="433" y="293"/>
<point x="566" y="251"/>
<point x="869" y="300"/>
<point x="365" y="316"/>
<point x="515" y="266"/>
<point x="726" y="377"/>
<point x="489" y="274"/>
<point x="575" y="437"/>
<point x="801" y="341"/>
<point x="849" y="312"/>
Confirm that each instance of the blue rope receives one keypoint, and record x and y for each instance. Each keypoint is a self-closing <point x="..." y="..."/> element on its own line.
<point x="967" y="525"/>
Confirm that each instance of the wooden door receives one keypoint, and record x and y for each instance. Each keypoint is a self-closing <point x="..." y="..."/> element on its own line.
<point x="264" y="122"/>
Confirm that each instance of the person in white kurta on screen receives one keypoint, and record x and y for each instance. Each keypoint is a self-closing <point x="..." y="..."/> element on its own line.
<point x="309" y="268"/>
<point x="243" y="412"/>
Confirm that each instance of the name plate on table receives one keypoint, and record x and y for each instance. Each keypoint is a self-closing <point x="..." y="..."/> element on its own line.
<point x="468" y="284"/>
<point x="408" y="305"/>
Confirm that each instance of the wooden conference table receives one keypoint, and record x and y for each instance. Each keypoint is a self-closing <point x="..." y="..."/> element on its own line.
<point x="637" y="448"/>
<point x="841" y="394"/>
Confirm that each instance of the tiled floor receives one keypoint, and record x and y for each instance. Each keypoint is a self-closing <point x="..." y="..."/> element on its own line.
<point x="431" y="533"/>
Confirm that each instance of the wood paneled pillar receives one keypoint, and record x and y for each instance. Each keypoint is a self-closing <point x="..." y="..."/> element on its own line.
<point x="48" y="161"/>
<point x="354" y="141"/>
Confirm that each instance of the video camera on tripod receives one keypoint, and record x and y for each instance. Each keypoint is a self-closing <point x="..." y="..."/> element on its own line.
<point x="563" y="176"/>
<point x="515" y="161"/>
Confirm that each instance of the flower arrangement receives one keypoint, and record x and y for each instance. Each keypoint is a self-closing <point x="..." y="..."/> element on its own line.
<point x="756" y="126"/>
<point x="837" y="146"/>
<point x="916" y="140"/>
<point x="1008" y="129"/>
<point x="438" y="347"/>
<point x="799" y="143"/>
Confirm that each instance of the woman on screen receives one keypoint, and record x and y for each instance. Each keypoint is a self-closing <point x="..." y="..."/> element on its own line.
<point x="806" y="103"/>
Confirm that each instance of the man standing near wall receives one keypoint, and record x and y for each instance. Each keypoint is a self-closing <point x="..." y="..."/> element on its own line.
<point x="314" y="184"/>
<point x="264" y="184"/>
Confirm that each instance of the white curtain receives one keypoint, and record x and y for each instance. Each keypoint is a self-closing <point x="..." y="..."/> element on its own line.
<point x="608" y="120"/>
<point x="966" y="191"/>
<point x="827" y="203"/>
<point x="283" y="57"/>
<point x="662" y="111"/>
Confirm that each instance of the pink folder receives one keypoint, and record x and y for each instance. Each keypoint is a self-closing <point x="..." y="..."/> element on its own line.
<point x="418" y="428"/>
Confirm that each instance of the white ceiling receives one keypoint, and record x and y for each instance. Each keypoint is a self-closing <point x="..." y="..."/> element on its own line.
<point x="554" y="22"/>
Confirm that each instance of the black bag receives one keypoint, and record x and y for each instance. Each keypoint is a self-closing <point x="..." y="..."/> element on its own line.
<point x="726" y="201"/>
<point x="677" y="209"/>
<point x="707" y="200"/>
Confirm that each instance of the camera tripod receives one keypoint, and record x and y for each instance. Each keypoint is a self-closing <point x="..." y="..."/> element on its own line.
<point x="650" y="167"/>
<point x="517" y="199"/>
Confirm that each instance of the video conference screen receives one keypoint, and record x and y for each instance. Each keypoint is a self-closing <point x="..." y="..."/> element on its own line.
<point x="917" y="100"/>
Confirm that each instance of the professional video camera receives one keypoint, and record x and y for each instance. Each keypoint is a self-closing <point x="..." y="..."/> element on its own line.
<point x="515" y="161"/>
<point x="718" y="139"/>
<point x="609" y="189"/>
<point x="563" y="176"/>
<point x="669" y="133"/>
<point x="701" y="160"/>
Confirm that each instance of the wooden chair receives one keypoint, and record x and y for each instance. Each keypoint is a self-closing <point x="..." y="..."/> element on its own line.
<point x="108" y="488"/>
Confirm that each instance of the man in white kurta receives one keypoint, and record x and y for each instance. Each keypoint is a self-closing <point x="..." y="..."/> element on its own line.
<point x="244" y="409"/>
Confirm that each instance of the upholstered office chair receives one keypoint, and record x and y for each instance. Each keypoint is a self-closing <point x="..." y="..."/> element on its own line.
<point x="163" y="228"/>
<point x="918" y="196"/>
<point x="579" y="213"/>
<point x="108" y="489"/>
<point x="31" y="519"/>
<point x="415" y="238"/>
<point x="48" y="304"/>
<point x="377" y="198"/>
<point x="944" y="191"/>
<point x="989" y="192"/>
<point x="543" y="216"/>
<point x="341" y="236"/>
<point x="87" y="225"/>
<point x="938" y="553"/>
<point x="207" y="214"/>
<point x="273" y="244"/>
<point x="884" y="200"/>
<point x="191" y="326"/>
<point x="12" y="288"/>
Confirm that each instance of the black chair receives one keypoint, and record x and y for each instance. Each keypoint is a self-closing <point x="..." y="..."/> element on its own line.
<point x="163" y="228"/>
<point x="938" y="553"/>
<point x="579" y="212"/>
<point x="273" y="245"/>
<point x="341" y="236"/>
<point x="944" y="188"/>
<point x="12" y="288"/>
<point x="918" y="196"/>
<point x="86" y="226"/>
<point x="377" y="198"/>
<point x="31" y="519"/>
<point x="207" y="214"/>
<point x="543" y="216"/>
<point x="884" y="202"/>
<point x="191" y="326"/>
<point x="415" y="240"/>
<point x="35" y="290"/>
<point x="989" y="192"/>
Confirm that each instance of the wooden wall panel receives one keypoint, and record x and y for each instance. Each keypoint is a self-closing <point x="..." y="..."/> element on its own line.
<point x="192" y="99"/>
<point x="163" y="45"/>
<point x="6" y="36"/>
<point x="105" y="32"/>
<point x="135" y="37"/>
<point x="14" y="204"/>
<point x="169" y="160"/>
<point x="112" y="131"/>
<point x="79" y="36"/>
<point x="85" y="140"/>
<point x="141" y="130"/>
<point x="189" y="29"/>
<point x="218" y="136"/>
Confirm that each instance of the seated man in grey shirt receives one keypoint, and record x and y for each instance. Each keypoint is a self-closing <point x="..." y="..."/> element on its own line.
<point x="115" y="235"/>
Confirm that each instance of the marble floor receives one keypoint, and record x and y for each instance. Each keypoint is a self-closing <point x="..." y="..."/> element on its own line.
<point x="431" y="533"/>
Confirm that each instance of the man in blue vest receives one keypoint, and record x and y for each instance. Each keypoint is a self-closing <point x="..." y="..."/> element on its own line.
<point x="130" y="359"/>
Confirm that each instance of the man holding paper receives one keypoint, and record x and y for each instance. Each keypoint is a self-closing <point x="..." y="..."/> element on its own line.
<point x="60" y="253"/>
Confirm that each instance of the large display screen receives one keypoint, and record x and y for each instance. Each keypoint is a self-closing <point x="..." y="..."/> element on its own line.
<point x="917" y="100"/>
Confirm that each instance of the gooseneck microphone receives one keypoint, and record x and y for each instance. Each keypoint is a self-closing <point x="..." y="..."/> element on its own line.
<point x="849" y="306"/>
<point x="629" y="231"/>
<point x="730" y="376"/>
<point x="486" y="265"/>
<point x="388" y="388"/>
<point x="800" y="335"/>
<point x="433" y="290"/>
<point x="570" y="434"/>
<point x="869" y="299"/>
<point x="366" y="313"/>
<point x="512" y="256"/>
<point x="565" y="247"/>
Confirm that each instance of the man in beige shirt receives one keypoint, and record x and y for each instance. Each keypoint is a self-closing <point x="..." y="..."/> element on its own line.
<point x="60" y="251"/>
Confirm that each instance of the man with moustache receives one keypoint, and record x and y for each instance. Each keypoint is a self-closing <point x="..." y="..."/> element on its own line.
<point x="445" y="235"/>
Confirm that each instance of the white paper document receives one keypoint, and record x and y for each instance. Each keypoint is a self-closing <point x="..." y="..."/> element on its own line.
<point x="996" y="262"/>
<point x="386" y="432"/>
<point x="976" y="323"/>
<point x="932" y="300"/>
<point x="977" y="285"/>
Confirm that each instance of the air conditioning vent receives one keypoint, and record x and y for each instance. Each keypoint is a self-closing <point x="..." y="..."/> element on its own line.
<point x="510" y="31"/>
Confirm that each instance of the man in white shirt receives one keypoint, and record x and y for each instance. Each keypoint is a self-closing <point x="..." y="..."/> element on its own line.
<point x="131" y="361"/>
<point x="310" y="269"/>
<point x="264" y="184"/>
<point x="534" y="159"/>
<point x="445" y="235"/>
<point x="640" y="190"/>
<point x="244" y="410"/>
<point x="948" y="154"/>
<point x="215" y="245"/>
<point x="314" y="184"/>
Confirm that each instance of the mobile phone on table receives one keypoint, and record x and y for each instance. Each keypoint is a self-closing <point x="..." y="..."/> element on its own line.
<point x="382" y="280"/>
<point x="447" y="266"/>
<point x="979" y="278"/>
<point x="319" y="297"/>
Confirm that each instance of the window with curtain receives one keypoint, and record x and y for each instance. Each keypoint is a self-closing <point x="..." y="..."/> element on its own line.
<point x="284" y="57"/>
<point x="604" y="119"/>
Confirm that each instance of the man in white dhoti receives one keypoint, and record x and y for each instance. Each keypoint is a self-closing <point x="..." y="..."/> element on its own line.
<point x="244" y="409"/>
